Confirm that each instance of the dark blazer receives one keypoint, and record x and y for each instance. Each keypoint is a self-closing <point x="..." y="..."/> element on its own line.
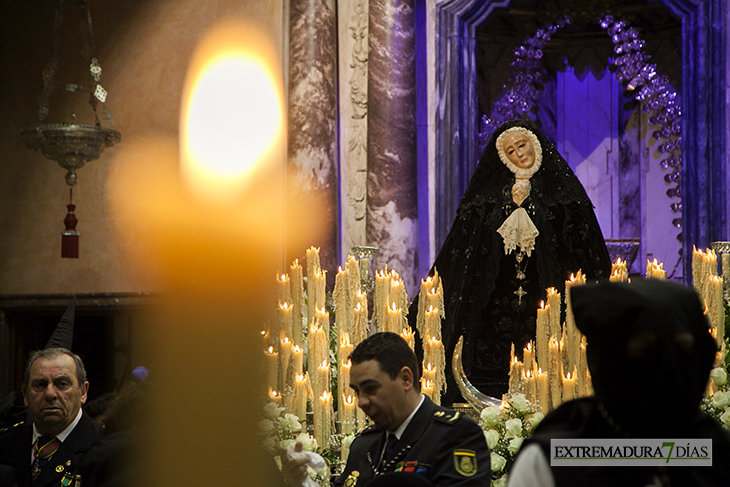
<point x="446" y="447"/>
<point x="15" y="450"/>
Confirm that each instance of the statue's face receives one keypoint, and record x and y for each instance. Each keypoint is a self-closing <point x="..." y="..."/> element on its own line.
<point x="518" y="148"/>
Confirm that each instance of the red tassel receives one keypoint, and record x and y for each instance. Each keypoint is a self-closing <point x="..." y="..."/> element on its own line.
<point x="70" y="237"/>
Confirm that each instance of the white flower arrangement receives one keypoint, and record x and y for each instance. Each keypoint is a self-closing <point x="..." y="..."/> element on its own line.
<point x="280" y="430"/>
<point x="718" y="404"/>
<point x="505" y="428"/>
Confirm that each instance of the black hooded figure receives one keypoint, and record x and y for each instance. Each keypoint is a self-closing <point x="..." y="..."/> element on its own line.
<point x="497" y="262"/>
<point x="650" y="353"/>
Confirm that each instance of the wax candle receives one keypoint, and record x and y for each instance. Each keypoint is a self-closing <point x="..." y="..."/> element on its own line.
<point x="300" y="397"/>
<point x="527" y="356"/>
<point x="298" y="307"/>
<point x="341" y="297"/>
<point x="542" y="335"/>
<point x="284" y="362"/>
<point x="297" y="354"/>
<point x="555" y="372"/>
<point x="283" y="288"/>
<point x="515" y="377"/>
<point x="312" y="269"/>
<point x="323" y="419"/>
<point x="275" y="397"/>
<point x="272" y="367"/>
<point x="427" y="388"/>
<point x="286" y="323"/>
<point x="360" y="328"/>
<point x="409" y="336"/>
<point x="553" y="303"/>
<point x="392" y="320"/>
<point x="543" y="391"/>
<point x="568" y="387"/>
<point x="348" y="420"/>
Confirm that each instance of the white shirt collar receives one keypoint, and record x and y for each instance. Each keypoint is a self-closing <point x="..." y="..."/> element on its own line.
<point x="399" y="432"/>
<point x="63" y="434"/>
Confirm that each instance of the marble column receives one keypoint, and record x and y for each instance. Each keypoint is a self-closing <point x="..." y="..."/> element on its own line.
<point x="312" y="156"/>
<point x="392" y="199"/>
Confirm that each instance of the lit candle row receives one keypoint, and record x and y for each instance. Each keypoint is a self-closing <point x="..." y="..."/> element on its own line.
<point x="655" y="270"/>
<point x="619" y="272"/>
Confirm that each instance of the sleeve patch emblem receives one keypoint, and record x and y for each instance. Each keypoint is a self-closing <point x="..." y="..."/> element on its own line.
<point x="465" y="462"/>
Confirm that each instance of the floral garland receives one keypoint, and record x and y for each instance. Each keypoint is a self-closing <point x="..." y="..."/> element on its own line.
<point x="505" y="428"/>
<point x="521" y="94"/>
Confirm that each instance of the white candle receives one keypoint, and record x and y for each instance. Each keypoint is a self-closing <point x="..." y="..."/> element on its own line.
<point x="272" y="367"/>
<point x="348" y="420"/>
<point x="568" y="387"/>
<point x="542" y="335"/>
<point x="297" y="355"/>
<point x="298" y="307"/>
<point x="300" y="397"/>
<point x="284" y="362"/>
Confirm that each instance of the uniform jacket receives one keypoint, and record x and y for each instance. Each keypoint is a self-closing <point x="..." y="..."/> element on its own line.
<point x="444" y="446"/>
<point x="62" y="469"/>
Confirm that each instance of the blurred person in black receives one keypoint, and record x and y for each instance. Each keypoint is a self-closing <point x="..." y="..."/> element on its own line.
<point x="650" y="354"/>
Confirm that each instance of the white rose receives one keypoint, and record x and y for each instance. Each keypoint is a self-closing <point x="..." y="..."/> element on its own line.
<point x="498" y="462"/>
<point x="515" y="445"/>
<point x="272" y="411"/>
<point x="309" y="443"/>
<point x="718" y="376"/>
<point x="290" y="423"/>
<point x="492" y="437"/>
<point x="513" y="427"/>
<point x="284" y="444"/>
<point x="519" y="402"/>
<point x="490" y="415"/>
<point x="266" y="426"/>
<point x="535" y="419"/>
<point x="500" y="482"/>
<point x="725" y="418"/>
<point x="721" y="399"/>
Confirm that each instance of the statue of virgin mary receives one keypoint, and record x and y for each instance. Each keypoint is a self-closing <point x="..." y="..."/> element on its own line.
<point x="524" y="224"/>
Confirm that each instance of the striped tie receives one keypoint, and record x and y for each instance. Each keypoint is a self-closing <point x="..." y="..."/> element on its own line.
<point x="43" y="450"/>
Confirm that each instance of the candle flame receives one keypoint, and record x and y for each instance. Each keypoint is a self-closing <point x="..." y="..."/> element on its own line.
<point x="542" y="304"/>
<point x="271" y="349"/>
<point x="348" y="400"/>
<point x="429" y="367"/>
<point x="297" y="349"/>
<point x="324" y="364"/>
<point x="233" y="112"/>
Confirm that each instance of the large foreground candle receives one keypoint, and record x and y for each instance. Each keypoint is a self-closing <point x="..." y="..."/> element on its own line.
<point x="210" y="243"/>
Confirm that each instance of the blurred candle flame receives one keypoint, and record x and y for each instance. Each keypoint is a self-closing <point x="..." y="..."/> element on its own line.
<point x="232" y="113"/>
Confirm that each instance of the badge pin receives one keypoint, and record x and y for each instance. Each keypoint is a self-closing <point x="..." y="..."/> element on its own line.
<point x="352" y="479"/>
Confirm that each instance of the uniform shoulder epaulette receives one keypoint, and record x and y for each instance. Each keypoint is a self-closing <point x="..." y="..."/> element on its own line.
<point x="365" y="431"/>
<point x="446" y="416"/>
<point x="11" y="428"/>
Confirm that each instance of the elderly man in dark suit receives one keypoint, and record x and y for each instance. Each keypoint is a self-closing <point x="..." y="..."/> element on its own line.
<point x="45" y="452"/>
